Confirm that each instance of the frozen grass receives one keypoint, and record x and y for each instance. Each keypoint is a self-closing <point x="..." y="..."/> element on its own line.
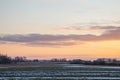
<point x="58" y="72"/>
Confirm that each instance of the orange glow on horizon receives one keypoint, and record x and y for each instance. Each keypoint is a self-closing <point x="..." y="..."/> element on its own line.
<point x="88" y="50"/>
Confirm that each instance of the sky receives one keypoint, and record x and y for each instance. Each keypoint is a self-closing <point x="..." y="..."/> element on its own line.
<point x="45" y="29"/>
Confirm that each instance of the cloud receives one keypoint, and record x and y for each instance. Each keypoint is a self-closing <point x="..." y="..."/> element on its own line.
<point x="90" y="28"/>
<point x="113" y="33"/>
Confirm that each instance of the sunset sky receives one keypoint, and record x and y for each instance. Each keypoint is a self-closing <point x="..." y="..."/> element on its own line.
<point x="45" y="29"/>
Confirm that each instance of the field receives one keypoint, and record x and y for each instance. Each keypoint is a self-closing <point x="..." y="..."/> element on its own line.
<point x="53" y="71"/>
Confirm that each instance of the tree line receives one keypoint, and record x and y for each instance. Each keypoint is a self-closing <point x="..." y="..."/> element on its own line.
<point x="5" y="59"/>
<point x="99" y="61"/>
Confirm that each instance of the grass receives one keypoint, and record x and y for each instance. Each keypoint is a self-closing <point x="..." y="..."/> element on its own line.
<point x="53" y="71"/>
<point x="29" y="67"/>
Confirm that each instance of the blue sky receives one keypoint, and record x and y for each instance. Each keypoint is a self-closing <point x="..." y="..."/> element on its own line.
<point x="40" y="16"/>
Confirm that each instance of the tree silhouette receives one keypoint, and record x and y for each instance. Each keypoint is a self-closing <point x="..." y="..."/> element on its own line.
<point x="4" y="59"/>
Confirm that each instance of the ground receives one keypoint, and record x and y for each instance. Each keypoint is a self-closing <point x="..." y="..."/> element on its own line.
<point x="56" y="71"/>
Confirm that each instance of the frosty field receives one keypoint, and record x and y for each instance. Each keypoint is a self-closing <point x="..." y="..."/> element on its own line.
<point x="58" y="72"/>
